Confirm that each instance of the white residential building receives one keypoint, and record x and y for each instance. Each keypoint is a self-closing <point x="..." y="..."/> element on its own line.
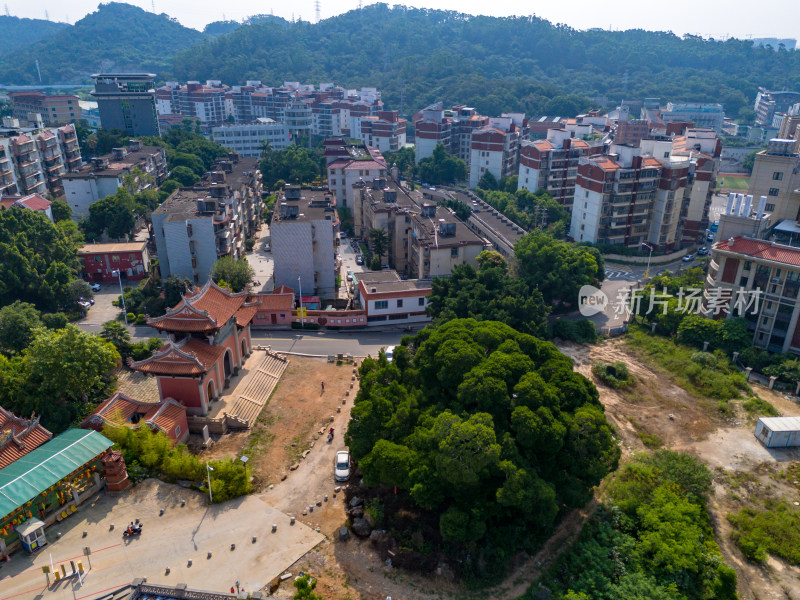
<point x="247" y="139"/>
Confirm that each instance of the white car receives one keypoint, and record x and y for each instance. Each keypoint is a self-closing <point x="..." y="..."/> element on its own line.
<point x="95" y="287"/>
<point x="341" y="466"/>
<point x="390" y="353"/>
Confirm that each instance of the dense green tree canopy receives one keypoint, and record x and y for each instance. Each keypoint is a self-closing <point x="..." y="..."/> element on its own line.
<point x="484" y="429"/>
<point x="292" y="165"/>
<point x="441" y="168"/>
<point x="530" y="210"/>
<point x="232" y="272"/>
<point x="518" y="63"/>
<point x="556" y="268"/>
<point x="490" y="293"/>
<point x="17" y="322"/>
<point x="37" y="260"/>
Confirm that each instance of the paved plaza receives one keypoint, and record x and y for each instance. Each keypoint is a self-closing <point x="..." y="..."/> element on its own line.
<point x="181" y="534"/>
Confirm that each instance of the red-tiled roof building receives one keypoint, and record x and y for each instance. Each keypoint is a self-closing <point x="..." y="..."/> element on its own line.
<point x="123" y="411"/>
<point x="19" y="436"/>
<point x="209" y="332"/>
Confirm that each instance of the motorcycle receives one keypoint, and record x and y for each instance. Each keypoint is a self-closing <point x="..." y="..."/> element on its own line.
<point x="330" y="435"/>
<point x="132" y="531"/>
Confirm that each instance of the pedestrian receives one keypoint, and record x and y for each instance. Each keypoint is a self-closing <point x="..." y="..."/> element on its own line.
<point x="323" y="387"/>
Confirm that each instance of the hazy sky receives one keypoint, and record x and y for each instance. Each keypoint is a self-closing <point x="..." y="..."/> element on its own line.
<point x="740" y="18"/>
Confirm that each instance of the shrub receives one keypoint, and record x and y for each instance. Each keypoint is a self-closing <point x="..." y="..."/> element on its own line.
<point x="131" y="317"/>
<point x="614" y="375"/>
<point x="581" y="331"/>
<point x="141" y="320"/>
<point x="249" y="244"/>
<point x="756" y="406"/>
<point x="774" y="529"/>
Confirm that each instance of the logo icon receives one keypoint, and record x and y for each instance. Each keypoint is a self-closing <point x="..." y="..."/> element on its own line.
<point x="591" y="301"/>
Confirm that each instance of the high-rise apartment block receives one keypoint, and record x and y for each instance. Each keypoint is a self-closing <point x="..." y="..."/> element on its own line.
<point x="495" y="148"/>
<point x="304" y="232"/>
<point x="127" y="101"/>
<point x="349" y="164"/>
<point x="776" y="175"/>
<point x="197" y="225"/>
<point x="769" y="102"/>
<point x="386" y="131"/>
<point x="36" y="162"/>
<point x="552" y="164"/>
<point x="54" y="110"/>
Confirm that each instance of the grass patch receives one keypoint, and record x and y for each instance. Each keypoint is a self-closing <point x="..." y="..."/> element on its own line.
<point x="614" y="375"/>
<point x="734" y="183"/>
<point x="756" y="407"/>
<point x="702" y="374"/>
<point x="774" y="529"/>
<point x="650" y="440"/>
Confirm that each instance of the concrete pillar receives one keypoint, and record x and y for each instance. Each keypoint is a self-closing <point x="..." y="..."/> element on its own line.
<point x="74" y="494"/>
<point x="735" y="356"/>
<point x="797" y="389"/>
<point x="772" y="381"/>
<point x="705" y="346"/>
<point x="790" y="329"/>
<point x="747" y="372"/>
<point x="653" y="328"/>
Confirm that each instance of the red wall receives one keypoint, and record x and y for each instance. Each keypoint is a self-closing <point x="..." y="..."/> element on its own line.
<point x="101" y="271"/>
<point x="184" y="391"/>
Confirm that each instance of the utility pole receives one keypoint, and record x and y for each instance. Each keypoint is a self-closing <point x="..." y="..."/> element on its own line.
<point x="153" y="4"/>
<point x="317" y="9"/>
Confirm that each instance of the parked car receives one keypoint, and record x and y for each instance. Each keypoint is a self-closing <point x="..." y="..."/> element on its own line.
<point x="702" y="251"/>
<point x="266" y="248"/>
<point x="390" y="353"/>
<point x="688" y="258"/>
<point x="95" y="287"/>
<point x="341" y="466"/>
<point x="359" y="259"/>
<point x="710" y="237"/>
<point x="84" y="304"/>
<point x="349" y="276"/>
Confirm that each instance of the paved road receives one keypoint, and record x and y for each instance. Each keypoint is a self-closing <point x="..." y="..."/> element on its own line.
<point x="325" y="343"/>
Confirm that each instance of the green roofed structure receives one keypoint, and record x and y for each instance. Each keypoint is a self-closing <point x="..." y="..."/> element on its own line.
<point x="49" y="482"/>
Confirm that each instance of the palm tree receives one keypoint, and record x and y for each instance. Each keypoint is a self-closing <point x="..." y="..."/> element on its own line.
<point x="380" y="241"/>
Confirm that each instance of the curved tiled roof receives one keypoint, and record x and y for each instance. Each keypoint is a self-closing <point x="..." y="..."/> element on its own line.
<point x="204" y="311"/>
<point x="19" y="436"/>
<point x="119" y="409"/>
<point x="187" y="357"/>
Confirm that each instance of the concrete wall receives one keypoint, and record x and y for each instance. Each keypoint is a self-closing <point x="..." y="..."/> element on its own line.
<point x="586" y="210"/>
<point x="292" y="254"/>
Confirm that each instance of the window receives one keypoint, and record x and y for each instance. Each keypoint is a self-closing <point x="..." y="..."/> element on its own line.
<point x="400" y="303"/>
<point x="115" y="258"/>
<point x="97" y="259"/>
<point x="774" y="191"/>
<point x="454" y="252"/>
<point x="177" y="431"/>
<point x="769" y="207"/>
<point x="381" y="304"/>
<point x="777" y="176"/>
<point x="422" y="301"/>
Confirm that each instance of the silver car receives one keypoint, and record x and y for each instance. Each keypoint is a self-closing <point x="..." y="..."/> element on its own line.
<point x="341" y="466"/>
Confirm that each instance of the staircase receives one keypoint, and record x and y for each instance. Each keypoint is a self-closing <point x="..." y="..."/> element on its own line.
<point x="257" y="389"/>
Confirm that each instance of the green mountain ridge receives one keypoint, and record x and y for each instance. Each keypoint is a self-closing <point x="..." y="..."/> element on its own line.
<point x="17" y="32"/>
<point x="418" y="56"/>
<point x="116" y="36"/>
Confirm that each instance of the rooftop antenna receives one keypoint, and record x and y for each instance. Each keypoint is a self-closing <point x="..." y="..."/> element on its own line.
<point x="316" y="8"/>
<point x="153" y="4"/>
<point x="359" y="4"/>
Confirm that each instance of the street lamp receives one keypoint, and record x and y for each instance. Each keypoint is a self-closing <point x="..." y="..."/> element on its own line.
<point x="208" y="472"/>
<point x="121" y="291"/>
<point x="244" y="460"/>
<point x="302" y="315"/>
<point x="647" y="270"/>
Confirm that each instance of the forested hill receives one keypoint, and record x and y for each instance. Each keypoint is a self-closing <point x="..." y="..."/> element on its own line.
<point x="115" y="36"/>
<point x="16" y="32"/>
<point x="494" y="64"/>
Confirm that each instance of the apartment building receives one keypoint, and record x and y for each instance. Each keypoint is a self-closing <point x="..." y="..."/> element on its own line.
<point x="704" y="115"/>
<point x="195" y="100"/>
<point x="304" y="232"/>
<point x="349" y="164"/>
<point x="703" y="149"/>
<point x="453" y="128"/>
<point x="494" y="148"/>
<point x="36" y="162"/>
<point x="386" y="131"/>
<point x="631" y="132"/>
<point x="127" y="101"/>
<point x="551" y="164"/>
<point x="743" y="269"/>
<point x="768" y="102"/>
<point x="197" y="225"/>
<point x="790" y="130"/>
<point x="425" y="240"/>
<point x="248" y="139"/>
<point x="387" y="299"/>
<point x="54" y="110"/>
<point x="104" y="175"/>
<point x="776" y="175"/>
<point x="614" y="196"/>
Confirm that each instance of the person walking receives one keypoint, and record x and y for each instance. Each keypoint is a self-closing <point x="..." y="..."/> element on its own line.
<point x="323" y="388"/>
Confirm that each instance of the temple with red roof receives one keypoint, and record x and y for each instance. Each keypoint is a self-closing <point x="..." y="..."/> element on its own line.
<point x="123" y="411"/>
<point x="209" y="333"/>
<point x="19" y="436"/>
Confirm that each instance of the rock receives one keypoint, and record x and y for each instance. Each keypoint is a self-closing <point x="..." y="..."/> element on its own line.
<point x="285" y="576"/>
<point x="361" y="527"/>
<point x="294" y="467"/>
<point x="355" y="501"/>
<point x="344" y="534"/>
<point x="357" y="513"/>
<point x="378" y="536"/>
<point x="337" y="489"/>
<point x="283" y="477"/>
<point x="306" y="453"/>
<point x="271" y="485"/>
